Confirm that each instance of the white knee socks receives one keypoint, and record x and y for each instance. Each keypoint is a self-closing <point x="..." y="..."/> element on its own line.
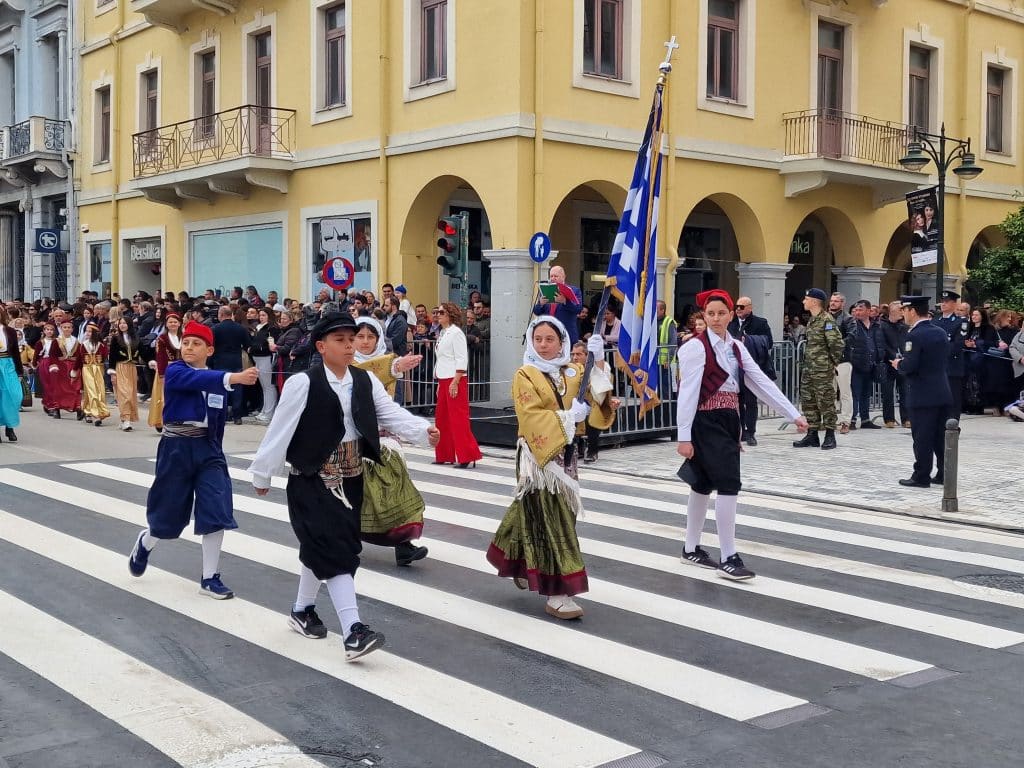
<point x="211" y="553"/>
<point x="309" y="586"/>
<point x="696" y="512"/>
<point x="149" y="541"/>
<point x="343" y="594"/>
<point x="725" y="516"/>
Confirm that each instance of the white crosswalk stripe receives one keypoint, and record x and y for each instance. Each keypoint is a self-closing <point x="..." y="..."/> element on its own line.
<point x="695" y="606"/>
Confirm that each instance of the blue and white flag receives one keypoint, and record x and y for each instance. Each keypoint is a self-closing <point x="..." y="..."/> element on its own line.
<point x="632" y="275"/>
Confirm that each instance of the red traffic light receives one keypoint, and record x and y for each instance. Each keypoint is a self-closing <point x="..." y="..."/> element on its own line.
<point x="446" y="227"/>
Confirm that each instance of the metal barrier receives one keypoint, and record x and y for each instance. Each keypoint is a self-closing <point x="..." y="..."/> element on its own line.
<point x="421" y="386"/>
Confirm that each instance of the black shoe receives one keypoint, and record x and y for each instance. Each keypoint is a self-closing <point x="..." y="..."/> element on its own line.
<point x="80" y="414"/>
<point x="699" y="557"/>
<point x="307" y="623"/>
<point x="56" y="413"/>
<point x="830" y="440"/>
<point x="408" y="553"/>
<point x="868" y="424"/>
<point x="590" y="458"/>
<point x="361" y="641"/>
<point x="11" y="437"/>
<point x="853" y="425"/>
<point x="751" y="441"/>
<point x="810" y="440"/>
<point x="733" y="568"/>
<point x="938" y="480"/>
<point x="467" y="465"/>
<point x="238" y="421"/>
<point x="912" y="483"/>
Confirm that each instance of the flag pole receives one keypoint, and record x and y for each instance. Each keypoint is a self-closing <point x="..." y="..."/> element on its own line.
<point x="663" y="71"/>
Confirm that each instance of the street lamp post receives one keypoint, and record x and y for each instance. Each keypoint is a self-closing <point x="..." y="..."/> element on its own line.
<point x="922" y="148"/>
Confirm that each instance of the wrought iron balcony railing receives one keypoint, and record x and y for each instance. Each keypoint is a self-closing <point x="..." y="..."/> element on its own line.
<point x="37" y="134"/>
<point x="248" y="131"/>
<point x="839" y="135"/>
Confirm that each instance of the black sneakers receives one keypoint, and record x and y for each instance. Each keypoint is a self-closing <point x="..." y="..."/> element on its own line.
<point x="732" y="568"/>
<point x="699" y="557"/>
<point x="407" y="553"/>
<point x="361" y="641"/>
<point x="307" y="623"/>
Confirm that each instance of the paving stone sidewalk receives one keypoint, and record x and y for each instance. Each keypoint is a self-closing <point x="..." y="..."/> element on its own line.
<point x="863" y="471"/>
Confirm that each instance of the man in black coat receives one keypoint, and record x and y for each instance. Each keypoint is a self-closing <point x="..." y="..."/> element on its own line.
<point x="866" y="350"/>
<point x="894" y="334"/>
<point x="956" y="328"/>
<point x="229" y="340"/>
<point x="924" y="362"/>
<point x="396" y="329"/>
<point x="743" y="325"/>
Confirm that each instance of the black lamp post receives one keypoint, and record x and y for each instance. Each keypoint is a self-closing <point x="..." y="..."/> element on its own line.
<point x="920" y="150"/>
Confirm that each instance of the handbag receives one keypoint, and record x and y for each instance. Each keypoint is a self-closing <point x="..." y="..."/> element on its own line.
<point x="687" y="473"/>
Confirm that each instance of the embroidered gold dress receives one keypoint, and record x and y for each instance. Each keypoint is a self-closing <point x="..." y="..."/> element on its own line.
<point x="94" y="394"/>
<point x="537" y="539"/>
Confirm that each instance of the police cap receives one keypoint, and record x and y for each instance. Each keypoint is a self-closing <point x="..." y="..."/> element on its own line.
<point x="918" y="303"/>
<point x="332" y="321"/>
<point x="949" y="296"/>
<point x="816" y="293"/>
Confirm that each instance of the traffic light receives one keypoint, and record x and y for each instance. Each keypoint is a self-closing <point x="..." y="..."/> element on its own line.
<point x="450" y="243"/>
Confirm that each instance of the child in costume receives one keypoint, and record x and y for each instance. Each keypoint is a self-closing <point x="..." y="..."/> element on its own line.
<point x="191" y="471"/>
<point x="327" y="420"/>
<point x="168" y="349"/>
<point x="392" y="514"/>
<point x="92" y="358"/>
<point x="536" y="542"/>
<point x="66" y="370"/>
<point x="122" y="363"/>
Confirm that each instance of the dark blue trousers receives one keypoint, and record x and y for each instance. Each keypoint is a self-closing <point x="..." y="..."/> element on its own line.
<point x="191" y="477"/>
<point x="928" y="429"/>
<point x="861" y="383"/>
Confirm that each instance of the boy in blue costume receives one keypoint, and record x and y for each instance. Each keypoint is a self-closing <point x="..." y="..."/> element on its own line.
<point x="191" y="471"/>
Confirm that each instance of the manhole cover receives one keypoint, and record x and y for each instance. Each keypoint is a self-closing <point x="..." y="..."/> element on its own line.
<point x="1011" y="582"/>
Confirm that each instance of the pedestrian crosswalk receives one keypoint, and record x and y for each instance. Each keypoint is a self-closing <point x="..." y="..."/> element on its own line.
<point x="474" y="672"/>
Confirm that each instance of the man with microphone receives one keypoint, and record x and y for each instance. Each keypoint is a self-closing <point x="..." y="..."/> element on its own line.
<point x="565" y="306"/>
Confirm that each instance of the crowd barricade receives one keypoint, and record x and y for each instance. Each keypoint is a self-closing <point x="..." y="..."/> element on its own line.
<point x="421" y="386"/>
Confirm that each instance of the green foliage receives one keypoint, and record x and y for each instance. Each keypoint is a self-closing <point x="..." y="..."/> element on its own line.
<point x="999" y="276"/>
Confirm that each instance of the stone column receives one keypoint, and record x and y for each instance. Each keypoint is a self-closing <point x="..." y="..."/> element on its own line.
<point x="765" y="284"/>
<point x="949" y="283"/>
<point x="513" y="292"/>
<point x="858" y="283"/>
<point x="7" y="256"/>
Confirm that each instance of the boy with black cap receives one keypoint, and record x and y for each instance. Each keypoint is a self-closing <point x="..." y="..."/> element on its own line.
<point x="327" y="420"/>
<point x="924" y="362"/>
<point x="191" y="471"/>
<point x="822" y="353"/>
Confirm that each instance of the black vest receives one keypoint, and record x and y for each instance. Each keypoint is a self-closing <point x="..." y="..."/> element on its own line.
<point x="322" y="426"/>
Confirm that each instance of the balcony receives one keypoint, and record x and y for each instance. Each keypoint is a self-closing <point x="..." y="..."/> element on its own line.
<point x="832" y="147"/>
<point x="171" y="13"/>
<point x="227" y="153"/>
<point x="32" y="148"/>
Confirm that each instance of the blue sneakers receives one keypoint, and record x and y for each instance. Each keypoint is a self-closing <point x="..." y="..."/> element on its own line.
<point x="139" y="558"/>
<point x="215" y="588"/>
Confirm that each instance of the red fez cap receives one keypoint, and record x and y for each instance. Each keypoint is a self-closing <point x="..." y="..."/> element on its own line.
<point x="169" y="315"/>
<point x="200" y="331"/>
<point x="715" y="293"/>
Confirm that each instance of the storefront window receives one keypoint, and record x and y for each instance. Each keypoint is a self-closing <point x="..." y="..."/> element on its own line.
<point x="597" y="236"/>
<point x="225" y="258"/>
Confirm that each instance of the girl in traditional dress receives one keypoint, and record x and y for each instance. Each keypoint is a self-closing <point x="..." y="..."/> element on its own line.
<point x="92" y="356"/>
<point x="536" y="542"/>
<point x="392" y="512"/>
<point x="124" y="374"/>
<point x="10" y="377"/>
<point x="168" y="349"/>
<point x="65" y="370"/>
<point x="46" y="355"/>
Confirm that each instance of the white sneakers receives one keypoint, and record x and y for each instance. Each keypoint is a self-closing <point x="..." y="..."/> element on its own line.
<point x="126" y="426"/>
<point x="563" y="607"/>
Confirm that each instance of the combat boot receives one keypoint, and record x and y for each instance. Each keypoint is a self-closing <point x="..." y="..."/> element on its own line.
<point x="830" y="440"/>
<point x="810" y="440"/>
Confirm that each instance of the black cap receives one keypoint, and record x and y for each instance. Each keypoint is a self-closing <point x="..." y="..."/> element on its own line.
<point x="918" y="303"/>
<point x="949" y="296"/>
<point x="816" y="293"/>
<point x="332" y="321"/>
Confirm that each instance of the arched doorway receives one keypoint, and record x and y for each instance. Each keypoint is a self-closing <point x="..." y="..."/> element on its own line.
<point x="989" y="237"/>
<point x="824" y="239"/>
<point x="444" y="196"/>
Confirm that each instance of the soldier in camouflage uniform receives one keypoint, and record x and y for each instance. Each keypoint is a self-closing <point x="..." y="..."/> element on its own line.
<point x="822" y="353"/>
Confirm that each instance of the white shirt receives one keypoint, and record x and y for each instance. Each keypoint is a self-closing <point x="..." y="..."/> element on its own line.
<point x="450" y="353"/>
<point x="691" y="369"/>
<point x="271" y="455"/>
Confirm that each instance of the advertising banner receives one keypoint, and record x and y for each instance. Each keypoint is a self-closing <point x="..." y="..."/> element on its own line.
<point x="922" y="207"/>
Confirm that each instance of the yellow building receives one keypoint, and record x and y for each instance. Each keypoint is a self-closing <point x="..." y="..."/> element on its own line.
<point x="227" y="142"/>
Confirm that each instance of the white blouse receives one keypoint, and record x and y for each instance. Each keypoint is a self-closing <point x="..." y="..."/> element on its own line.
<point x="450" y="353"/>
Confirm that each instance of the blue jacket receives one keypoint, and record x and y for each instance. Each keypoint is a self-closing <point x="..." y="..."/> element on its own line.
<point x="955" y="328"/>
<point x="925" y="363"/>
<point x="194" y="394"/>
<point x="567" y="313"/>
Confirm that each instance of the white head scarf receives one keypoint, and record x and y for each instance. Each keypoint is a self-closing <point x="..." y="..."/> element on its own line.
<point x="382" y="347"/>
<point x="530" y="356"/>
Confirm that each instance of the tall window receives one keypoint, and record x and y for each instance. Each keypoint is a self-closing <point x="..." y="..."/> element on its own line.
<point x="994" y="111"/>
<point x="334" y="51"/>
<point x="602" y="38"/>
<point x="918" y="109"/>
<point x="264" y="78"/>
<point x="103" y="125"/>
<point x="207" y="93"/>
<point x="150" y="99"/>
<point x="723" y="49"/>
<point x="433" y="40"/>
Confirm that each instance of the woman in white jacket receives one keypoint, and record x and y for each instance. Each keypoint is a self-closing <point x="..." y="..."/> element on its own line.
<point x="451" y="360"/>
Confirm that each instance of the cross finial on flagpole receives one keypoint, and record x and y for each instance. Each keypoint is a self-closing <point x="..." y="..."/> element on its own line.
<point x="671" y="45"/>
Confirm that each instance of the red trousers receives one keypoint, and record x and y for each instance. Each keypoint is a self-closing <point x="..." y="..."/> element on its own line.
<point x="452" y="418"/>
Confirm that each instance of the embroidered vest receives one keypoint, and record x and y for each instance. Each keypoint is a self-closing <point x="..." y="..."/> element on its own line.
<point x="714" y="375"/>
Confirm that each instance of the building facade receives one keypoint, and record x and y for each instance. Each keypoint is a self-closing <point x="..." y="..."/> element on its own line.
<point x="231" y="142"/>
<point x="37" y="144"/>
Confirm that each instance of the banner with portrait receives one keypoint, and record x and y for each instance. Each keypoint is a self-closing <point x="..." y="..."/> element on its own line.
<point x="922" y="210"/>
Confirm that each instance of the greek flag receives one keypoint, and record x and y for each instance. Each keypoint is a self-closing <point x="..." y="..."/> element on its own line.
<point x="632" y="276"/>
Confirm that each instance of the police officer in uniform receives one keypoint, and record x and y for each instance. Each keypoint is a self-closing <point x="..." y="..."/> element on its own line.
<point x="956" y="331"/>
<point x="924" y="362"/>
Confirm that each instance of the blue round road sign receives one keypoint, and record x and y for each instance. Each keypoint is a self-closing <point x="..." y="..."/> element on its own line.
<point x="540" y="247"/>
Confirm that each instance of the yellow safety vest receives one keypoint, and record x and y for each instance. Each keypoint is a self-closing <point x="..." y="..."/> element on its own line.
<point x="664" y="354"/>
